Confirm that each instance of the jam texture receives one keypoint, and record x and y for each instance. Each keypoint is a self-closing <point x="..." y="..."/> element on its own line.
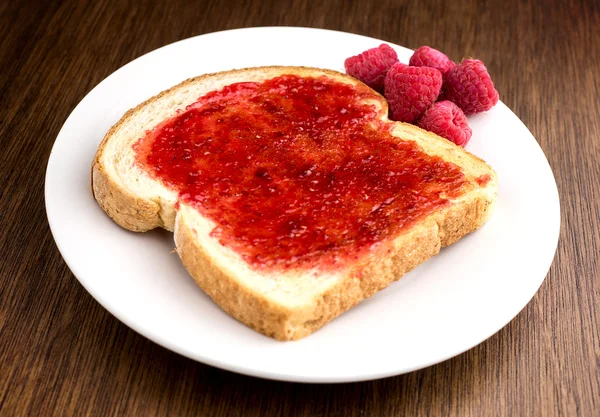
<point x="483" y="180"/>
<point x="296" y="172"/>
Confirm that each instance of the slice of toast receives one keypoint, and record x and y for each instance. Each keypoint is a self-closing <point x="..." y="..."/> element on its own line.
<point x="293" y="294"/>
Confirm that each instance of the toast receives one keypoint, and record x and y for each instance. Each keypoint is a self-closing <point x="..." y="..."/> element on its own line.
<point x="276" y="250"/>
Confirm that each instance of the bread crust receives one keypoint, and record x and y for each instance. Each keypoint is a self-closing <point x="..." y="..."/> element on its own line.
<point x="384" y="265"/>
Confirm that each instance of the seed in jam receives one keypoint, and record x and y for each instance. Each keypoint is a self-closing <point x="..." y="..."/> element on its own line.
<point x="297" y="172"/>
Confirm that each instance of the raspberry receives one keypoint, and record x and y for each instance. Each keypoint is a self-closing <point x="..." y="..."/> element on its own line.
<point x="446" y="119"/>
<point x="426" y="56"/>
<point x="470" y="87"/>
<point x="411" y="90"/>
<point x="371" y="66"/>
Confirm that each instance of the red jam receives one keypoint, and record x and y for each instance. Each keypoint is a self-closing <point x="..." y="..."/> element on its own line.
<point x="482" y="180"/>
<point x="296" y="172"/>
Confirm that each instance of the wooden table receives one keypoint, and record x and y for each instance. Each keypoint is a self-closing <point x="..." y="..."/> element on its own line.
<point x="61" y="354"/>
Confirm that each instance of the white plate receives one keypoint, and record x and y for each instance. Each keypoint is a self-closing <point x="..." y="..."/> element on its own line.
<point x="444" y="307"/>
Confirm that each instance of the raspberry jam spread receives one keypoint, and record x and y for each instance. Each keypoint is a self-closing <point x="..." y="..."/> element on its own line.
<point x="296" y="172"/>
<point x="483" y="180"/>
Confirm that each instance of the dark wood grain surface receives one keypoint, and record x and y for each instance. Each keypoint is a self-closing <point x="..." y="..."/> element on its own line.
<point x="62" y="354"/>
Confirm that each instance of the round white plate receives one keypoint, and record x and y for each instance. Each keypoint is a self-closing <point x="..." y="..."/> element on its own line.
<point x="447" y="305"/>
